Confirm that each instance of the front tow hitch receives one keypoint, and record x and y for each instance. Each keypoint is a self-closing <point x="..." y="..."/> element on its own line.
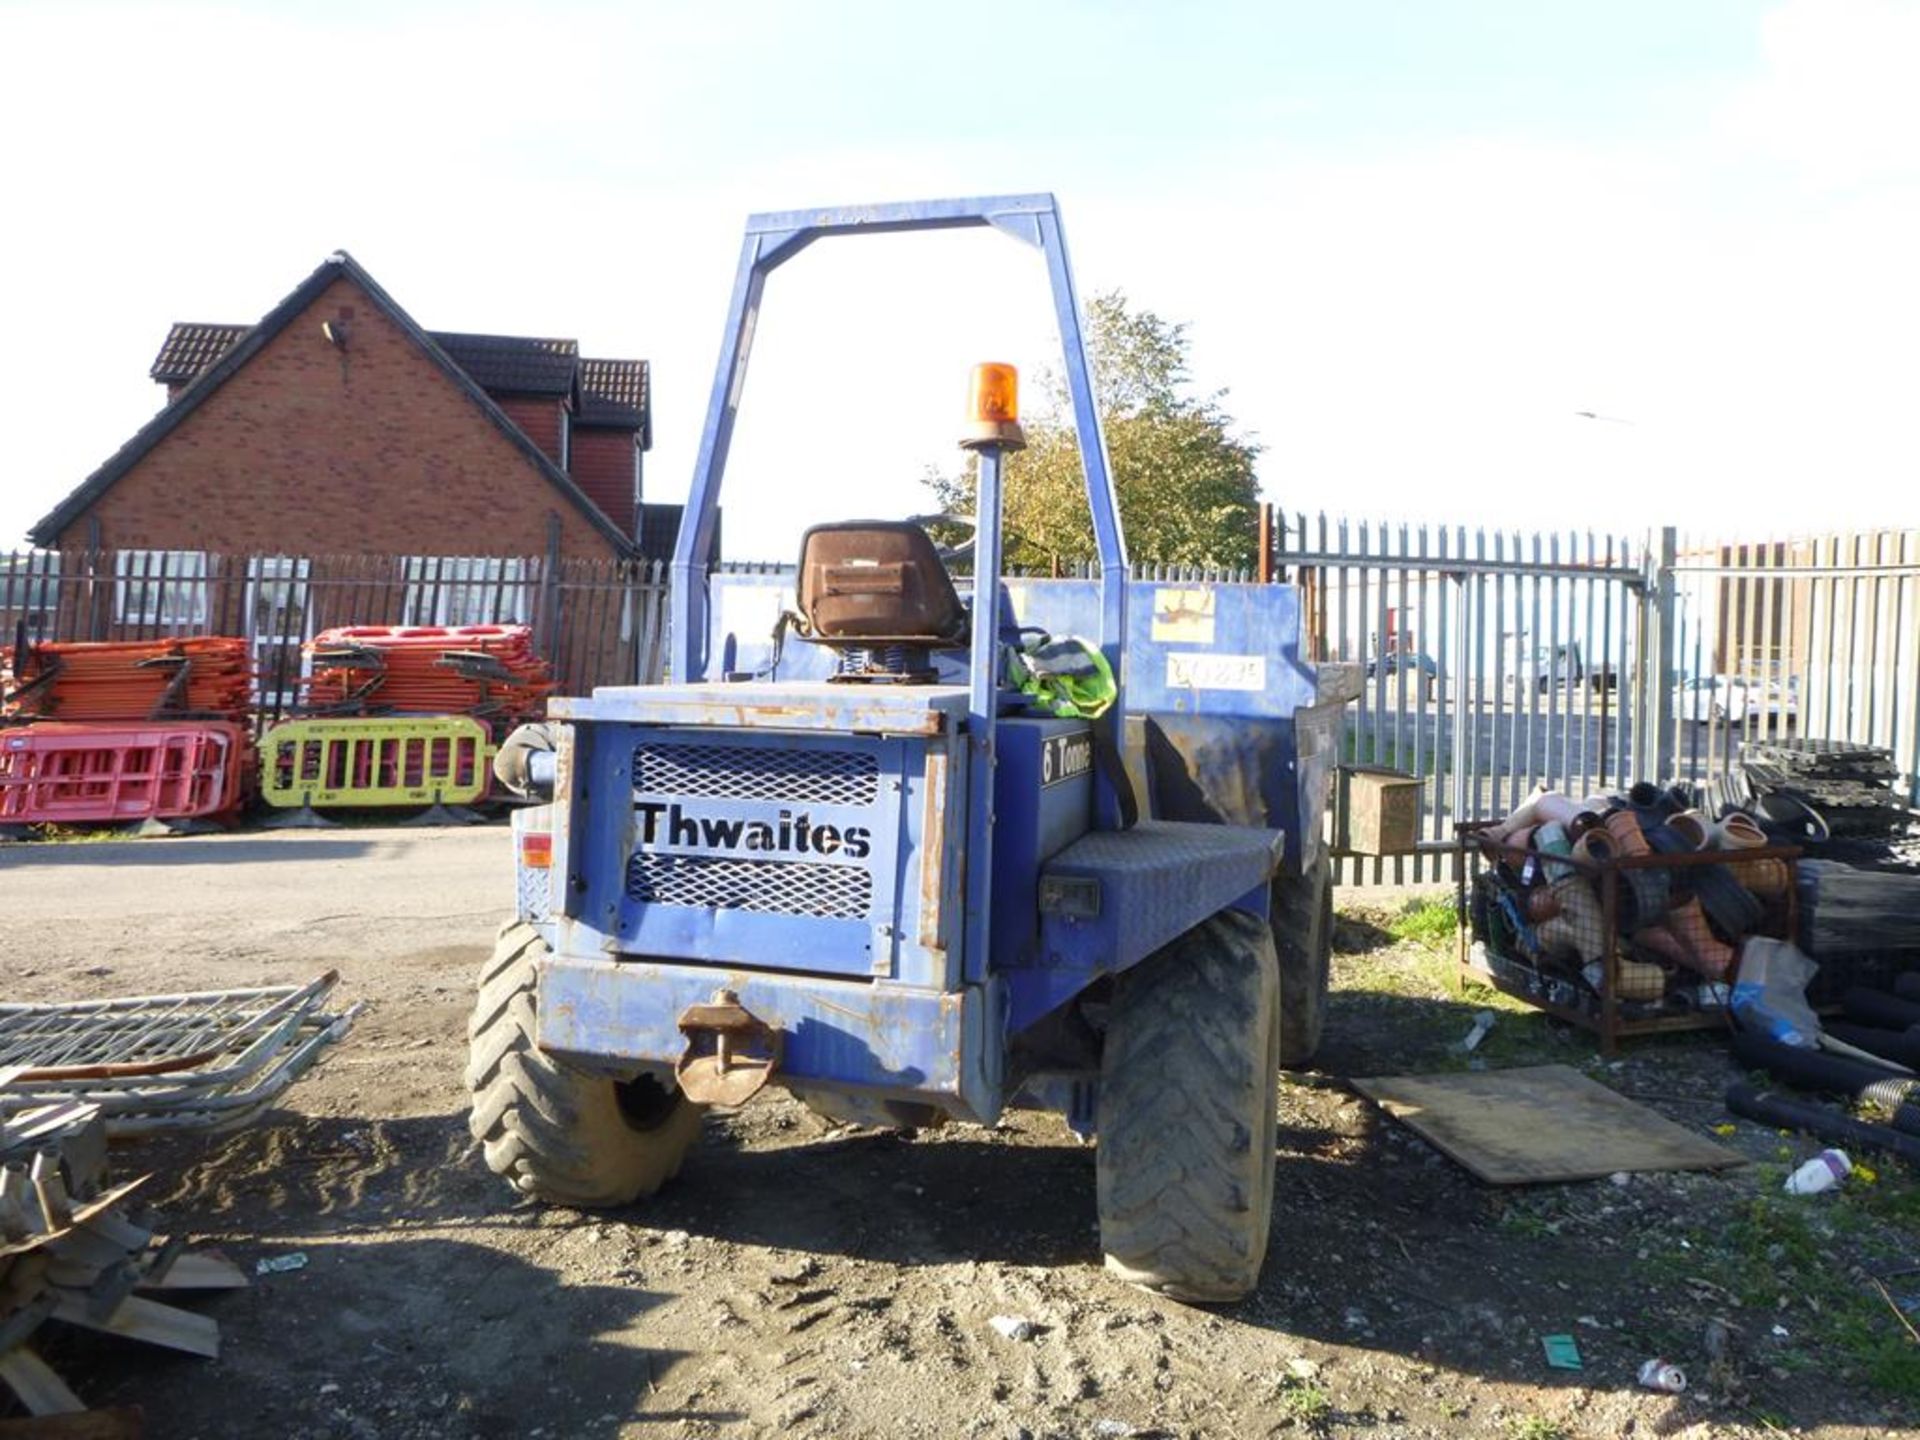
<point x="730" y="1054"/>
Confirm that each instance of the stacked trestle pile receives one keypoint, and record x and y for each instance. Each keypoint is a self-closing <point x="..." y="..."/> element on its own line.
<point x="137" y="732"/>
<point x="403" y="716"/>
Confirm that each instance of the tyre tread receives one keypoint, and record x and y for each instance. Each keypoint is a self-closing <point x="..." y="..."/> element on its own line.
<point x="552" y="1131"/>
<point x="1187" y="1113"/>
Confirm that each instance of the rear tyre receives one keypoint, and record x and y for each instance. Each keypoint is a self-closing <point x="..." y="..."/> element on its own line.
<point x="1302" y="908"/>
<point x="1188" y="1110"/>
<point x="554" y="1132"/>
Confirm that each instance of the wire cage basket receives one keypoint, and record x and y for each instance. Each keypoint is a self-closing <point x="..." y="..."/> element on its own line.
<point x="1627" y="921"/>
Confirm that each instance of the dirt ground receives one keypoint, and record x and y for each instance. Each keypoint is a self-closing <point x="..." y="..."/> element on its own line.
<point x="813" y="1280"/>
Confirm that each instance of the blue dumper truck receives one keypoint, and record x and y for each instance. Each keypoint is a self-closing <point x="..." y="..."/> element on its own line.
<point x="918" y="847"/>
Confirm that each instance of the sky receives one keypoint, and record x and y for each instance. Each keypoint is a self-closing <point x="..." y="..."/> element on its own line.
<point x="1411" y="241"/>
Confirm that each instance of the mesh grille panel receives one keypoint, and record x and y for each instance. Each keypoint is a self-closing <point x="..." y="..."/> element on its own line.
<point x="833" y="892"/>
<point x="753" y="772"/>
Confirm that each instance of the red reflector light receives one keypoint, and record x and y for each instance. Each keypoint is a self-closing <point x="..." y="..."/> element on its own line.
<point x="536" y="849"/>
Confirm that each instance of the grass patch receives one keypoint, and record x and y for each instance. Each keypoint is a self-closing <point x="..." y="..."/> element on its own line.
<point x="1430" y="923"/>
<point x="1305" y="1402"/>
<point x="1535" y="1427"/>
<point x="1802" y="1262"/>
<point x="1403" y="986"/>
<point x="75" y="835"/>
<point x="1893" y="1196"/>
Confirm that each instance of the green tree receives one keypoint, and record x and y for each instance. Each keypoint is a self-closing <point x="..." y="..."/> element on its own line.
<point x="1186" y="482"/>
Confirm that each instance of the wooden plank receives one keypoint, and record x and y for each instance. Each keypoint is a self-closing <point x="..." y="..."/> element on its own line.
<point x="33" y="1380"/>
<point x="146" y="1320"/>
<point x="118" y="1230"/>
<point x="116" y="1424"/>
<point x="1539" y="1124"/>
<point x="198" y="1272"/>
<point x="94" y="1213"/>
<point x="34" y="1126"/>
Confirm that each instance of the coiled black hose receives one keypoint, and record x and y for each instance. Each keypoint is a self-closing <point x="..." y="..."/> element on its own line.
<point x="1820" y="1121"/>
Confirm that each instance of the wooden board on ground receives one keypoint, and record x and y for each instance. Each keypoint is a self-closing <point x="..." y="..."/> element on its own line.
<point x="1539" y="1124"/>
<point x="34" y="1382"/>
<point x="148" y="1320"/>
<point x="123" y="1424"/>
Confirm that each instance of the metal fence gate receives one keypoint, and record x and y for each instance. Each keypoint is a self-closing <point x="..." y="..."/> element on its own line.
<point x="1816" y="637"/>
<point x="596" y="622"/>
<point x="1499" y="661"/>
<point x="1492" y="661"/>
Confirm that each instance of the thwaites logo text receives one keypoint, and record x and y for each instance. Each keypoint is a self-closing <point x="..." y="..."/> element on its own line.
<point x="672" y="826"/>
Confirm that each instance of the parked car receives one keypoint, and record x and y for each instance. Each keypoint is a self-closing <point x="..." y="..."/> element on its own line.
<point x="1542" y="667"/>
<point x="1717" y="698"/>
<point x="1779" y="698"/>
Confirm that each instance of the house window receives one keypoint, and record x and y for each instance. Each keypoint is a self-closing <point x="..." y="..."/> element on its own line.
<point x="163" y="588"/>
<point x="29" y="593"/>
<point x="467" y="590"/>
<point x="277" y="623"/>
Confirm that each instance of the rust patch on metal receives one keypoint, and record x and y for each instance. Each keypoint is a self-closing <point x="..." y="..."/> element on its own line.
<point x="745" y="1052"/>
<point x="933" y="849"/>
<point x="743" y="714"/>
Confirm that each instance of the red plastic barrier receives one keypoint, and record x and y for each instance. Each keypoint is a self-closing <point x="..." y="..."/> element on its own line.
<point x="487" y="671"/>
<point x="205" y="676"/>
<point x="58" y="774"/>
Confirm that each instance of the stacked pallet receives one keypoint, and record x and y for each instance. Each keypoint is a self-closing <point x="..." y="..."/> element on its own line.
<point x="1848" y="787"/>
<point x="489" y="672"/>
<point x="202" y="677"/>
<point x="69" y="1255"/>
<point x="140" y="732"/>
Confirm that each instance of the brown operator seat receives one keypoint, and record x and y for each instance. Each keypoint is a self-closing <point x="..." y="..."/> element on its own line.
<point x="878" y="582"/>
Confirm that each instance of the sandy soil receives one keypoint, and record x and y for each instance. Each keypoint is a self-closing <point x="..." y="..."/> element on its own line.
<point x="813" y="1280"/>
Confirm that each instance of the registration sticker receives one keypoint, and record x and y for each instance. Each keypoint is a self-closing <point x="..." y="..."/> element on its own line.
<point x="1188" y="671"/>
<point x="1183" y="617"/>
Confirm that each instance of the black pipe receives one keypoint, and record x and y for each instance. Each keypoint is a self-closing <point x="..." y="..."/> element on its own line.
<point x="1817" y="1070"/>
<point x="1900" y="1046"/>
<point x="1907" y="1118"/>
<point x="1876" y="1007"/>
<point x="1821" y="1121"/>
<point x="1907" y="986"/>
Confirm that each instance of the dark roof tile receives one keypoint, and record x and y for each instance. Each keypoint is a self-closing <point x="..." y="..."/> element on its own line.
<point x="514" y="364"/>
<point x="189" y="349"/>
<point x="614" y="393"/>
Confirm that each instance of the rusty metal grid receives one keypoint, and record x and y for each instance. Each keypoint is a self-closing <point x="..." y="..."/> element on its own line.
<point x="150" y="1062"/>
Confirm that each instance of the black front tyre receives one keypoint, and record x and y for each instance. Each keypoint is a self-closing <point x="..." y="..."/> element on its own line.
<point x="1302" y="907"/>
<point x="1188" y="1113"/>
<point x="554" y="1132"/>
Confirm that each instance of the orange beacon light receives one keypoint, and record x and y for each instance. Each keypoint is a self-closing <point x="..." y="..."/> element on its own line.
<point x="993" y="408"/>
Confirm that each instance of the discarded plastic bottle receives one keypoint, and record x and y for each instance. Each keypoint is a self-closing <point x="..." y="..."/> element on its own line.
<point x="1482" y="1023"/>
<point x="1658" y="1374"/>
<point x="1823" y="1172"/>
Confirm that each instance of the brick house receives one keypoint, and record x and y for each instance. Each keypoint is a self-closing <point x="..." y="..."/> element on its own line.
<point x="337" y="424"/>
<point x="336" y="463"/>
